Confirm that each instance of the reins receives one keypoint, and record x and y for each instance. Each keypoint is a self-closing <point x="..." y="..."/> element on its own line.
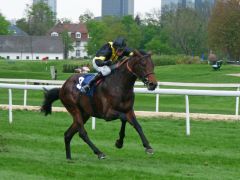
<point x="130" y="69"/>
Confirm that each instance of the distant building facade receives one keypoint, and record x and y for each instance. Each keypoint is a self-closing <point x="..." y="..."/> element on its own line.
<point x="51" y="3"/>
<point x="31" y="47"/>
<point x="117" y="7"/>
<point x="202" y="4"/>
<point x="79" y="35"/>
<point x="196" y="4"/>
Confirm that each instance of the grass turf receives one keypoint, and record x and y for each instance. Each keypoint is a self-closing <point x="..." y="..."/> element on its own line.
<point x="33" y="148"/>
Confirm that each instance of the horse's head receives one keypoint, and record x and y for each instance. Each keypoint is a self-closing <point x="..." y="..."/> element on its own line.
<point x="141" y="65"/>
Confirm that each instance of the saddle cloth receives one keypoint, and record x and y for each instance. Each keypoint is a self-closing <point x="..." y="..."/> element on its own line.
<point x="85" y="79"/>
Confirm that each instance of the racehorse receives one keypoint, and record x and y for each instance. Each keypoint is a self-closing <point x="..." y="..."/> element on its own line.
<point x="113" y="99"/>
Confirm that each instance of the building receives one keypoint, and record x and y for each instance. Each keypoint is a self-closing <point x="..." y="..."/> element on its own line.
<point x="79" y="35"/>
<point x="117" y="8"/>
<point x="51" y="3"/>
<point x="203" y="4"/>
<point x="31" y="47"/>
<point x="173" y="4"/>
<point x="197" y="4"/>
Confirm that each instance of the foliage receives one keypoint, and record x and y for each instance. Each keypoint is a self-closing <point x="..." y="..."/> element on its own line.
<point x="23" y="24"/>
<point x="186" y="30"/>
<point x="224" y="25"/>
<point x="164" y="60"/>
<point x="109" y="28"/>
<point x="86" y="16"/>
<point x="4" y="25"/>
<point x="39" y="19"/>
<point x="67" y="42"/>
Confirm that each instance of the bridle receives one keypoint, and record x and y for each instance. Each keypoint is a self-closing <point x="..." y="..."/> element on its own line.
<point x="144" y="77"/>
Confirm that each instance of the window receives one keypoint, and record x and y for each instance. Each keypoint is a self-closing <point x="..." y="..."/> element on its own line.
<point x="78" y="35"/>
<point x="56" y="58"/>
<point x="17" y="57"/>
<point x="37" y="57"/>
<point x="77" y="53"/>
<point x="8" y="57"/>
<point x="27" y="57"/>
<point x="54" y="34"/>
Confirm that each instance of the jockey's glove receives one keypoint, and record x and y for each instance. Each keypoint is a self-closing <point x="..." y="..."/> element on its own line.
<point x="108" y="63"/>
<point x="101" y="63"/>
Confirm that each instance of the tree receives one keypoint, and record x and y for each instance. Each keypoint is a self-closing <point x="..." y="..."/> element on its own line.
<point x="186" y="30"/>
<point x="39" y="19"/>
<point x="23" y="24"/>
<point x="67" y="43"/>
<point x="109" y="28"/>
<point x="96" y="31"/>
<point x="86" y="16"/>
<point x="223" y="29"/>
<point x="3" y="25"/>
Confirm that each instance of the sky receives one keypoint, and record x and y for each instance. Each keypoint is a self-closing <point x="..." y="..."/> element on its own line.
<point x="72" y="9"/>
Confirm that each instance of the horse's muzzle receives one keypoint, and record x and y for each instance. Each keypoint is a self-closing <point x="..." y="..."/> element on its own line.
<point x="151" y="86"/>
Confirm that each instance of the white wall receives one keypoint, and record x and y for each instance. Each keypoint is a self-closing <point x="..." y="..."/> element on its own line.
<point x="83" y="52"/>
<point x="23" y="56"/>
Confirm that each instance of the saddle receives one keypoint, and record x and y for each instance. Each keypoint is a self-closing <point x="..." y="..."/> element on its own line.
<point x="85" y="79"/>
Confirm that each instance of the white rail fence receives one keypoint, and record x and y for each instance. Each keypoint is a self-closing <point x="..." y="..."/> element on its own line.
<point x="177" y="84"/>
<point x="185" y="92"/>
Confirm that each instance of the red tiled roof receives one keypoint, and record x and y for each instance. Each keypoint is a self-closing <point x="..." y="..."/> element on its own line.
<point x="60" y="27"/>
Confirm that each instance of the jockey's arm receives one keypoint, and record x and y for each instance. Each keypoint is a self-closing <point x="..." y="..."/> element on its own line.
<point x="103" y="55"/>
<point x="128" y="52"/>
<point x="101" y="61"/>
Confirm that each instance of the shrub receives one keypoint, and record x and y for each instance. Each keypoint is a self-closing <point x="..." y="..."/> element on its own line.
<point x="175" y="59"/>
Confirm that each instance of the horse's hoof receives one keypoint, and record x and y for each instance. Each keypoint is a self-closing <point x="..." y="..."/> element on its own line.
<point x="149" y="150"/>
<point x="119" y="144"/>
<point x="101" y="156"/>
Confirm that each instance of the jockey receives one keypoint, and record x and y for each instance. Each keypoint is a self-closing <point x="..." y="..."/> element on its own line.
<point x="105" y="57"/>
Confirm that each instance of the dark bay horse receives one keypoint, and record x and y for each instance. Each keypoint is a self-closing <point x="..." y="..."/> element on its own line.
<point x="113" y="99"/>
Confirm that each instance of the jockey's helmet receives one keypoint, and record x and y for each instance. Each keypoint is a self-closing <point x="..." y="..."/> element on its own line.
<point x="119" y="43"/>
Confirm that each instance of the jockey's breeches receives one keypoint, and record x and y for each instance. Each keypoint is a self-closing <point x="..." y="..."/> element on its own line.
<point x="105" y="70"/>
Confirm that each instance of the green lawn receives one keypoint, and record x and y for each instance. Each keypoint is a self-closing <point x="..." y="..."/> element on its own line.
<point x="198" y="73"/>
<point x="33" y="148"/>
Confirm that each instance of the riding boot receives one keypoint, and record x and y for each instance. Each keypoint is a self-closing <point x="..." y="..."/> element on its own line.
<point x="88" y="86"/>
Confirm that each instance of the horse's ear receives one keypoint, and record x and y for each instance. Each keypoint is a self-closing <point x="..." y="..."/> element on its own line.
<point x="137" y="53"/>
<point x="150" y="53"/>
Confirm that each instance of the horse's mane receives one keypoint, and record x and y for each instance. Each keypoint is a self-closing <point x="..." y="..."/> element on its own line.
<point x="139" y="52"/>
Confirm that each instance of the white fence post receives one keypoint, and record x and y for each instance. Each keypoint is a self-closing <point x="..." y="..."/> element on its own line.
<point x="93" y="123"/>
<point x="10" y="105"/>
<point x="187" y="116"/>
<point x="237" y="105"/>
<point x="157" y="100"/>
<point x="25" y="96"/>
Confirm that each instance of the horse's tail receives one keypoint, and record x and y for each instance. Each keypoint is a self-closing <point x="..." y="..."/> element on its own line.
<point x="49" y="97"/>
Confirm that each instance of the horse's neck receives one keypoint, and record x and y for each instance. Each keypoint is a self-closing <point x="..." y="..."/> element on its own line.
<point x="123" y="78"/>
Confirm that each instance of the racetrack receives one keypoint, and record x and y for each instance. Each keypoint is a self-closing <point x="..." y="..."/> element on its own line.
<point x="198" y="116"/>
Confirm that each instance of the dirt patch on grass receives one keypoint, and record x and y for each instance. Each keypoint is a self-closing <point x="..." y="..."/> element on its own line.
<point x="197" y="116"/>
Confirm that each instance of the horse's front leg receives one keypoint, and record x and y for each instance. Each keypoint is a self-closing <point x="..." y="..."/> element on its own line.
<point x="119" y="142"/>
<point x="133" y="121"/>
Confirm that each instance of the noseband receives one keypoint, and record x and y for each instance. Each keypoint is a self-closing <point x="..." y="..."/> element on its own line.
<point x="144" y="77"/>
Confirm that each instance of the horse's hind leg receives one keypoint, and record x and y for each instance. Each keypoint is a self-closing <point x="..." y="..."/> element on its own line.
<point x="119" y="142"/>
<point x="80" y="119"/>
<point x="133" y="121"/>
<point x="73" y="129"/>
<point x="83" y="134"/>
